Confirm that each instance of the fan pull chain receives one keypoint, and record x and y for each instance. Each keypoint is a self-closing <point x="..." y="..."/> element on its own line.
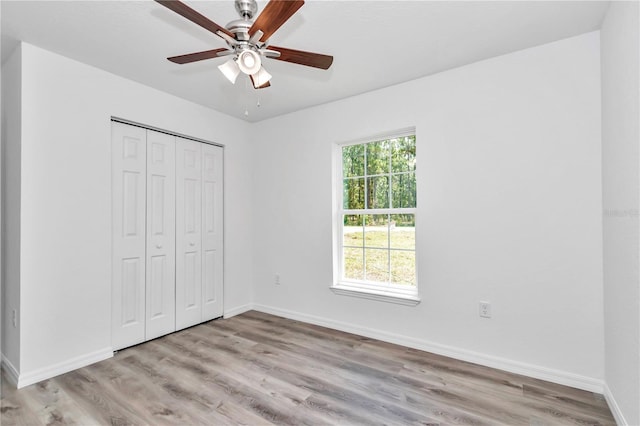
<point x="246" y="92"/>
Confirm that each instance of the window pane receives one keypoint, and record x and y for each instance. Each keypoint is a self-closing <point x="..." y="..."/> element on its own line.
<point x="353" y="160"/>
<point x="377" y="265"/>
<point x="378" y="157"/>
<point x="403" y="231"/>
<point x="403" y="154"/>
<point x="352" y="230"/>
<point x="403" y="267"/>
<point x="379" y="248"/>
<point x="378" y="192"/>
<point x="376" y="231"/>
<point x="353" y="262"/>
<point x="404" y="190"/>
<point x="353" y="193"/>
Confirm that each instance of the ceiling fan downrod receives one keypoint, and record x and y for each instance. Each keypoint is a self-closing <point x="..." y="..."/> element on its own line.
<point x="246" y="8"/>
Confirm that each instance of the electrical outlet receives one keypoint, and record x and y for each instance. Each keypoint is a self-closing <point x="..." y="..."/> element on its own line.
<point x="14" y="318"/>
<point x="485" y="309"/>
<point x="277" y="279"/>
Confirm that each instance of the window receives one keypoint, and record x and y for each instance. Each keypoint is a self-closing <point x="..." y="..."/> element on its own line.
<point x="376" y="219"/>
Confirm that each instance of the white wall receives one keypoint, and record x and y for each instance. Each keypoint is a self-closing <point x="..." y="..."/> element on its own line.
<point x="509" y="210"/>
<point x="66" y="190"/>
<point x="621" y="186"/>
<point x="11" y="129"/>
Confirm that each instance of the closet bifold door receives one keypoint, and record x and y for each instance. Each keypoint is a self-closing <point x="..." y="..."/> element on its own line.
<point x="188" y="233"/>
<point x="212" y="211"/>
<point x="128" y="148"/>
<point x="160" y="257"/>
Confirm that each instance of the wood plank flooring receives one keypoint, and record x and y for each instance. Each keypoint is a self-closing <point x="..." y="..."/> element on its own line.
<point x="260" y="369"/>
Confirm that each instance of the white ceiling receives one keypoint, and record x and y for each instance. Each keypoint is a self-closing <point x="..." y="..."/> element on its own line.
<point x="374" y="43"/>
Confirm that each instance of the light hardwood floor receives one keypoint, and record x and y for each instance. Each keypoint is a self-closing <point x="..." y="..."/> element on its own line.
<point x="261" y="369"/>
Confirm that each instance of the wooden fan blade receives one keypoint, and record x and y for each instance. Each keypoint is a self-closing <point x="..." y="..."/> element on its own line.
<point x="198" y="56"/>
<point x="267" y="84"/>
<point x="195" y="17"/>
<point x="316" y="60"/>
<point x="274" y="14"/>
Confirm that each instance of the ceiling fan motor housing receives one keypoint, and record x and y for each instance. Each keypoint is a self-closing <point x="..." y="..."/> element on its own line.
<point x="240" y="28"/>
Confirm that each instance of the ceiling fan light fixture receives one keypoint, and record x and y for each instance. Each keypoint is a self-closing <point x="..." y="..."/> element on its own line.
<point x="249" y="62"/>
<point x="231" y="70"/>
<point x="260" y="78"/>
<point x="248" y="39"/>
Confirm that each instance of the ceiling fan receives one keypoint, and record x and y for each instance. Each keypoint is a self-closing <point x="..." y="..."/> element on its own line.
<point x="248" y="40"/>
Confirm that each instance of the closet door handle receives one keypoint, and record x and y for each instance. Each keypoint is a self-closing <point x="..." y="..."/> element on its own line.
<point x="192" y="243"/>
<point x="158" y="245"/>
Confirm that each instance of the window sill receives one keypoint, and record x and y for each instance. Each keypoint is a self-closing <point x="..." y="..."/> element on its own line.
<point x="373" y="294"/>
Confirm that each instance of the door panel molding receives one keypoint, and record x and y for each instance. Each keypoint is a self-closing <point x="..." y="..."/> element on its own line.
<point x="128" y="148"/>
<point x="188" y="233"/>
<point x="212" y="233"/>
<point x="161" y="235"/>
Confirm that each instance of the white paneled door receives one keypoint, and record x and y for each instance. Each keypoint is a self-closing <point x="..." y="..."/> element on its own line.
<point x="128" y="207"/>
<point x="188" y="233"/>
<point x="167" y="233"/>
<point x="212" y="274"/>
<point x="160" y="280"/>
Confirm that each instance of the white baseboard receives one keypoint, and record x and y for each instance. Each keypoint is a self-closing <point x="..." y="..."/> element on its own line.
<point x="31" y="377"/>
<point x="228" y="313"/>
<point x="613" y="406"/>
<point x="529" y="370"/>
<point x="10" y="369"/>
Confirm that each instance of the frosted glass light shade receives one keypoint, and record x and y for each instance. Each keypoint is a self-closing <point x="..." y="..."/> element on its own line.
<point x="249" y="62"/>
<point x="230" y="70"/>
<point x="260" y="78"/>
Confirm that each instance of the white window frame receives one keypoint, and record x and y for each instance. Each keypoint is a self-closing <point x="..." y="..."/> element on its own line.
<point x="387" y="292"/>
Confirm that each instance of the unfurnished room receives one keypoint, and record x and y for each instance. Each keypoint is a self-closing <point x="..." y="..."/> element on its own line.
<point x="320" y="212"/>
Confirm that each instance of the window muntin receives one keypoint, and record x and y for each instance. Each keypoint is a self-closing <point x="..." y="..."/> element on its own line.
<point x="377" y="213"/>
